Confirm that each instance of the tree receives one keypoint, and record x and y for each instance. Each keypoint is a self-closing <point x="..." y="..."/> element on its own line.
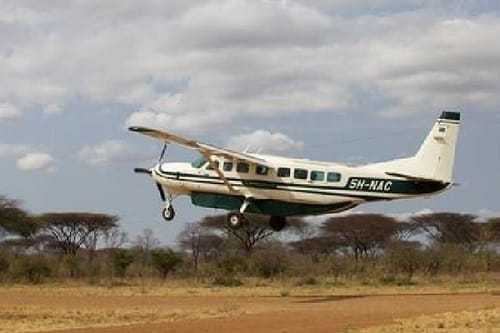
<point x="15" y="220"/>
<point x="144" y="244"/>
<point x="449" y="228"/>
<point x="165" y="261"/>
<point x="199" y="241"/>
<point x="364" y="234"/>
<point x="72" y="230"/>
<point x="255" y="230"/>
<point x="316" y="245"/>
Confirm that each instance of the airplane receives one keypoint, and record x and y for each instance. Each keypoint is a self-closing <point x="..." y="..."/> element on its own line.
<point x="280" y="187"/>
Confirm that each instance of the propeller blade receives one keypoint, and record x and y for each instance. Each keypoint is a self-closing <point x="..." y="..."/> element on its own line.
<point x="162" y="193"/>
<point x="164" y="149"/>
<point x="142" y="170"/>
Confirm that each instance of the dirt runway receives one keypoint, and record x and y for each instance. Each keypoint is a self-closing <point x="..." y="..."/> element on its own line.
<point x="265" y="314"/>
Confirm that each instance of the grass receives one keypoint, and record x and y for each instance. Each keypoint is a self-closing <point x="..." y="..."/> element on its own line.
<point x="22" y="317"/>
<point x="34" y="318"/>
<point x="259" y="287"/>
<point x="487" y="321"/>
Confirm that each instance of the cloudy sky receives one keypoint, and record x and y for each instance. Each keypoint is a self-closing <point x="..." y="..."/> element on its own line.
<point x="336" y="80"/>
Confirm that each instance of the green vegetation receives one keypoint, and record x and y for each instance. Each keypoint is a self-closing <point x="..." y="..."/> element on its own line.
<point x="357" y="249"/>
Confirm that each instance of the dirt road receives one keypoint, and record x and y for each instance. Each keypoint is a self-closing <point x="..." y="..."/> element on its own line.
<point x="263" y="314"/>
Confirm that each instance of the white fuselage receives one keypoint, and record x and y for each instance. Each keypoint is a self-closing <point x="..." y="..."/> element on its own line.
<point x="307" y="182"/>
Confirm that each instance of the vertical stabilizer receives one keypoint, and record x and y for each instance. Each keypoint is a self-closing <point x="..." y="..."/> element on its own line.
<point x="436" y="155"/>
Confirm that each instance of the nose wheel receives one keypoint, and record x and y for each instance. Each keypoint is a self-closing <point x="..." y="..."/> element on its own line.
<point x="168" y="213"/>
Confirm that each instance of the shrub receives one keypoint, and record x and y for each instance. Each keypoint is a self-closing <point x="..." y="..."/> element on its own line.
<point x="32" y="269"/>
<point x="307" y="281"/>
<point x="405" y="258"/>
<point x="227" y="281"/>
<point x="232" y="264"/>
<point x="122" y="258"/>
<point x="4" y="265"/>
<point x="270" y="262"/>
<point x="165" y="261"/>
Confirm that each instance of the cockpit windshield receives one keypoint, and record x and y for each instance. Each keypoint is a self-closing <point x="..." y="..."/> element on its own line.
<point x="199" y="162"/>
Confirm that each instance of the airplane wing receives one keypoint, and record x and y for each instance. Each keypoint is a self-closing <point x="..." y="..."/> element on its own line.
<point x="203" y="148"/>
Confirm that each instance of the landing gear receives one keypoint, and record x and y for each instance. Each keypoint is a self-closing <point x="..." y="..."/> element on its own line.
<point x="235" y="220"/>
<point x="277" y="223"/>
<point x="168" y="213"/>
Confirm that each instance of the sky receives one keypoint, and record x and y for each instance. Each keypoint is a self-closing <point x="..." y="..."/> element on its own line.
<point x="334" y="80"/>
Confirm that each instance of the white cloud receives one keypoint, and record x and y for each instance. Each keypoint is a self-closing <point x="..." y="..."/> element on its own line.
<point x="13" y="149"/>
<point x="36" y="161"/>
<point x="108" y="152"/>
<point x="236" y="58"/>
<point x="52" y="109"/>
<point x="9" y="112"/>
<point x="265" y="140"/>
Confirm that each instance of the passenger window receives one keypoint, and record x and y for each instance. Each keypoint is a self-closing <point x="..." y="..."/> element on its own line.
<point x="209" y="167"/>
<point x="242" y="167"/>
<point x="318" y="176"/>
<point x="227" y="166"/>
<point x="283" y="172"/>
<point x="333" y="177"/>
<point x="300" y="174"/>
<point x="261" y="170"/>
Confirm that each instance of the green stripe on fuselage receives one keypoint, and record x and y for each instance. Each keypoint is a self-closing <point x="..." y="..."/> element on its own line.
<point x="354" y="184"/>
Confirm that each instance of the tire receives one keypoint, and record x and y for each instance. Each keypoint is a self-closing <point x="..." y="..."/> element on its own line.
<point x="277" y="223"/>
<point x="168" y="213"/>
<point x="235" y="220"/>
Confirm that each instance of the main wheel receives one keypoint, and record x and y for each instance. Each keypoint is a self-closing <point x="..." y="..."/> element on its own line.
<point x="235" y="220"/>
<point x="277" y="223"/>
<point x="168" y="213"/>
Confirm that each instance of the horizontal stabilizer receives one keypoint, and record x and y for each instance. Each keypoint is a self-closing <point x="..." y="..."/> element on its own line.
<point x="413" y="177"/>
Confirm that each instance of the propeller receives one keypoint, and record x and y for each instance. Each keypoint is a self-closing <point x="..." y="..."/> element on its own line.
<point x="142" y="170"/>
<point x="149" y="172"/>
<point x="162" y="193"/>
<point x="164" y="149"/>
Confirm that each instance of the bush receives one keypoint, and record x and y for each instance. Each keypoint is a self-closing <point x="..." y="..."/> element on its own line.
<point x="232" y="264"/>
<point x="32" y="269"/>
<point x="227" y="281"/>
<point x="165" y="261"/>
<point x="405" y="258"/>
<point x="4" y="264"/>
<point x="122" y="259"/>
<point x="307" y="281"/>
<point x="270" y="263"/>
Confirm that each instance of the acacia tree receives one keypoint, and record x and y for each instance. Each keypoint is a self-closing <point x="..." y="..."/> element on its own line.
<point x="255" y="230"/>
<point x="449" y="228"/>
<point x="72" y="230"/>
<point x="364" y="234"/>
<point x="15" y="220"/>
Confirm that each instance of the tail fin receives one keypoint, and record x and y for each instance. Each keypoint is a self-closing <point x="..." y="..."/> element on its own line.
<point x="436" y="155"/>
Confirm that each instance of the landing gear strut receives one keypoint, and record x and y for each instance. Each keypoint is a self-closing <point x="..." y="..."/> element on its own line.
<point x="277" y="223"/>
<point x="168" y="212"/>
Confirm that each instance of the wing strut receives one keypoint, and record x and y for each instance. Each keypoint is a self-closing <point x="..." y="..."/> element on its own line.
<point x="218" y="171"/>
